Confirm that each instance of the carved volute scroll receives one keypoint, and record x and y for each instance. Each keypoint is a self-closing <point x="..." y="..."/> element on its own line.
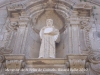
<point x="94" y="59"/>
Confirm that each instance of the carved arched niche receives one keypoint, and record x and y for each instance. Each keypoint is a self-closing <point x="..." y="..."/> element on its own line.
<point x="59" y="14"/>
<point x="58" y="21"/>
<point x="49" y="9"/>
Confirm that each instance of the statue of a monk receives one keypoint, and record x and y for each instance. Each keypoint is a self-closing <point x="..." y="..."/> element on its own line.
<point x="49" y="35"/>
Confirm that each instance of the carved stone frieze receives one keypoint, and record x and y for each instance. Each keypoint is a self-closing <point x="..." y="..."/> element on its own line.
<point x="15" y="7"/>
<point x="84" y="9"/>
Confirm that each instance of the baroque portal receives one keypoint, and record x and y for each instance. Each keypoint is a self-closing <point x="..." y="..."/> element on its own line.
<point x="49" y="35"/>
<point x="55" y="36"/>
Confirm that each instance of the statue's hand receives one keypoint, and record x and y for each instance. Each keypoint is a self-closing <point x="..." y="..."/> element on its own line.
<point x="48" y="30"/>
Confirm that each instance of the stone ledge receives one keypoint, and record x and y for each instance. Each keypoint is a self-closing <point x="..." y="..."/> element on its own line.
<point x="46" y="61"/>
<point x="14" y="57"/>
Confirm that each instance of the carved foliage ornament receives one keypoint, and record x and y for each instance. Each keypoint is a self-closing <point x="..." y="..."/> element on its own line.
<point x="77" y="62"/>
<point x="85" y="25"/>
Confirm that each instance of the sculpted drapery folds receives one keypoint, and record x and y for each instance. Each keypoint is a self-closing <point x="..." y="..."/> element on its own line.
<point x="49" y="35"/>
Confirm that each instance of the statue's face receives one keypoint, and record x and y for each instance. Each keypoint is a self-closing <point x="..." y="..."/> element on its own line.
<point x="49" y="22"/>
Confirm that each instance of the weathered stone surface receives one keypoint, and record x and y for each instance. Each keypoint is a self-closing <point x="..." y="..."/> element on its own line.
<point x="78" y="23"/>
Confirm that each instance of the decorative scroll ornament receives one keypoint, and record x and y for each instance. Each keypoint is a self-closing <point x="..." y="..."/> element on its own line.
<point x="84" y="22"/>
<point x="85" y="25"/>
<point x="12" y="26"/>
<point x="95" y="68"/>
<point x="94" y="57"/>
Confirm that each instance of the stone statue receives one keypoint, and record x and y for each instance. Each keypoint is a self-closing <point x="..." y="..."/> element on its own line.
<point x="49" y="35"/>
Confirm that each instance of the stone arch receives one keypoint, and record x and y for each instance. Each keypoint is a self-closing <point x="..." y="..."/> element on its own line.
<point x="62" y="11"/>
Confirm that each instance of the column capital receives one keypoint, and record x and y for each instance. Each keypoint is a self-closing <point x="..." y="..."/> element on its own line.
<point x="77" y="62"/>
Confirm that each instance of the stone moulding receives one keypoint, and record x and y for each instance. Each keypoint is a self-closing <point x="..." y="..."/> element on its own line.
<point x="14" y="61"/>
<point x="12" y="57"/>
<point x="46" y="61"/>
<point x="71" y="62"/>
<point x="61" y="5"/>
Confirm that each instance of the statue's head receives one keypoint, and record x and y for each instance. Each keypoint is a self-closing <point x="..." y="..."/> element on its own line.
<point x="49" y="22"/>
